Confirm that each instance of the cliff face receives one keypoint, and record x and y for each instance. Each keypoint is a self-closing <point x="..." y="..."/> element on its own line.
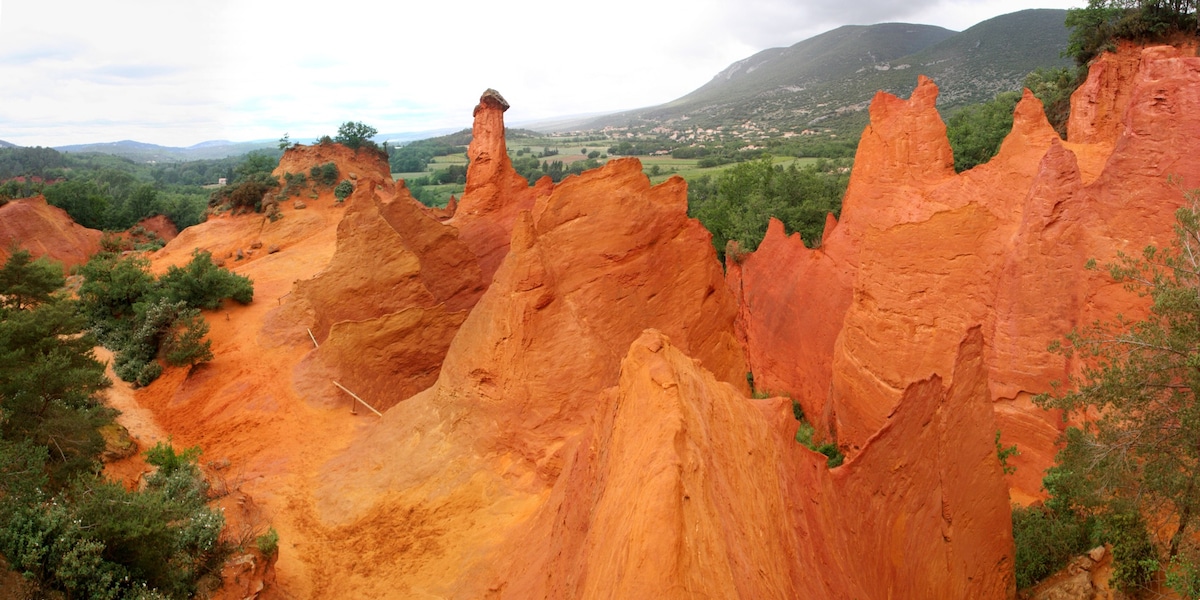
<point x="45" y="230"/>
<point x="922" y="255"/>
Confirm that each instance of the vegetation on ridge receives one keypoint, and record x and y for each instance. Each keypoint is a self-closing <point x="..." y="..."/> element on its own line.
<point x="1096" y="28"/>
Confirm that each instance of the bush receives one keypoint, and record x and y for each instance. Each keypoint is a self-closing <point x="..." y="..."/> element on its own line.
<point x="326" y="174"/>
<point x="202" y="284"/>
<point x="805" y="434"/>
<point x="1046" y="540"/>
<point x="268" y="543"/>
<point x="343" y="190"/>
<point x="141" y="319"/>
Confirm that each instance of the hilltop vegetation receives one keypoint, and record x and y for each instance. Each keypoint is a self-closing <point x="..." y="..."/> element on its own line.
<point x="111" y="193"/>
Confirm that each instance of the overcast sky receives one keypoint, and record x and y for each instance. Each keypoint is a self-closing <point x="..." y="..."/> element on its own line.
<point x="178" y="73"/>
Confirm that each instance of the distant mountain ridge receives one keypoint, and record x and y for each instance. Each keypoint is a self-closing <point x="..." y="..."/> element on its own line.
<point x="828" y="80"/>
<point x="145" y="152"/>
<point x="212" y="149"/>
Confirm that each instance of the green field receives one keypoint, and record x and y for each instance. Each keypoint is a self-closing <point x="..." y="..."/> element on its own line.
<point x="666" y="165"/>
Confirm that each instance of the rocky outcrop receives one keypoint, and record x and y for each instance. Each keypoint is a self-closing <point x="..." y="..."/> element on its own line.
<point x="647" y="506"/>
<point x="45" y="230"/>
<point x="390" y="300"/>
<point x="495" y="194"/>
<point x="352" y="164"/>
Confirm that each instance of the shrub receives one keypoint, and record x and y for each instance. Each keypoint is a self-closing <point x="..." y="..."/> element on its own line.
<point x="293" y="184"/>
<point x="140" y="318"/>
<point x="343" y="190"/>
<point x="1046" y="540"/>
<point x="805" y="435"/>
<point x="202" y="284"/>
<point x="268" y="543"/>
<point x="326" y="174"/>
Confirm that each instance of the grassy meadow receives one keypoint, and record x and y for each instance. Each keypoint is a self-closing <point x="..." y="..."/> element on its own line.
<point x="657" y="168"/>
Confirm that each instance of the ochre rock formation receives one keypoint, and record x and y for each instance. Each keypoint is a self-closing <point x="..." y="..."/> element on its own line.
<point x="45" y="230"/>
<point x="495" y="194"/>
<point x="565" y="365"/>
<point x="685" y="488"/>
<point x="390" y="300"/>
<point x="921" y="255"/>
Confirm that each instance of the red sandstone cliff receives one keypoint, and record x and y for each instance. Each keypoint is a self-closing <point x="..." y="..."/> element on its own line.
<point x="922" y="255"/>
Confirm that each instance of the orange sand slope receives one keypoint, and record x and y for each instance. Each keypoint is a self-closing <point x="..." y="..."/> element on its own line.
<point x="45" y="230"/>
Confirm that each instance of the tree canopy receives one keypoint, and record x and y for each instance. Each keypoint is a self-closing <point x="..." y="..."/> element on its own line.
<point x="354" y="134"/>
<point x="1095" y="28"/>
<point x="738" y="203"/>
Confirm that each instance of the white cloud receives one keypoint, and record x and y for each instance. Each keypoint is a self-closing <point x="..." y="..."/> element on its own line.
<point x="181" y="73"/>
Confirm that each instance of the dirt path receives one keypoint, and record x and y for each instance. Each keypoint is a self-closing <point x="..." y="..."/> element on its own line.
<point x="137" y="419"/>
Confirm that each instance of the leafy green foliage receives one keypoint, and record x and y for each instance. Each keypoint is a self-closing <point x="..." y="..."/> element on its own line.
<point x="253" y="181"/>
<point x="142" y="319"/>
<point x="326" y="174"/>
<point x="1054" y="88"/>
<point x="806" y="435"/>
<point x="355" y="135"/>
<point x="63" y="527"/>
<point x="1003" y="453"/>
<point x="976" y="131"/>
<point x="48" y="376"/>
<point x="202" y="284"/>
<point x="1046" y="540"/>
<point x="268" y="543"/>
<point x="26" y="282"/>
<point x="95" y="539"/>
<point x="1142" y="454"/>
<point x="737" y="205"/>
<point x="1096" y="28"/>
<point x="343" y="190"/>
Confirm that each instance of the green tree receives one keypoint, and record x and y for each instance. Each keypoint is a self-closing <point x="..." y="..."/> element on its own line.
<point x="1141" y="455"/>
<point x="737" y="205"/>
<point x="355" y="135"/>
<point x="976" y="131"/>
<point x="1054" y="88"/>
<point x="26" y="282"/>
<point x="48" y="376"/>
